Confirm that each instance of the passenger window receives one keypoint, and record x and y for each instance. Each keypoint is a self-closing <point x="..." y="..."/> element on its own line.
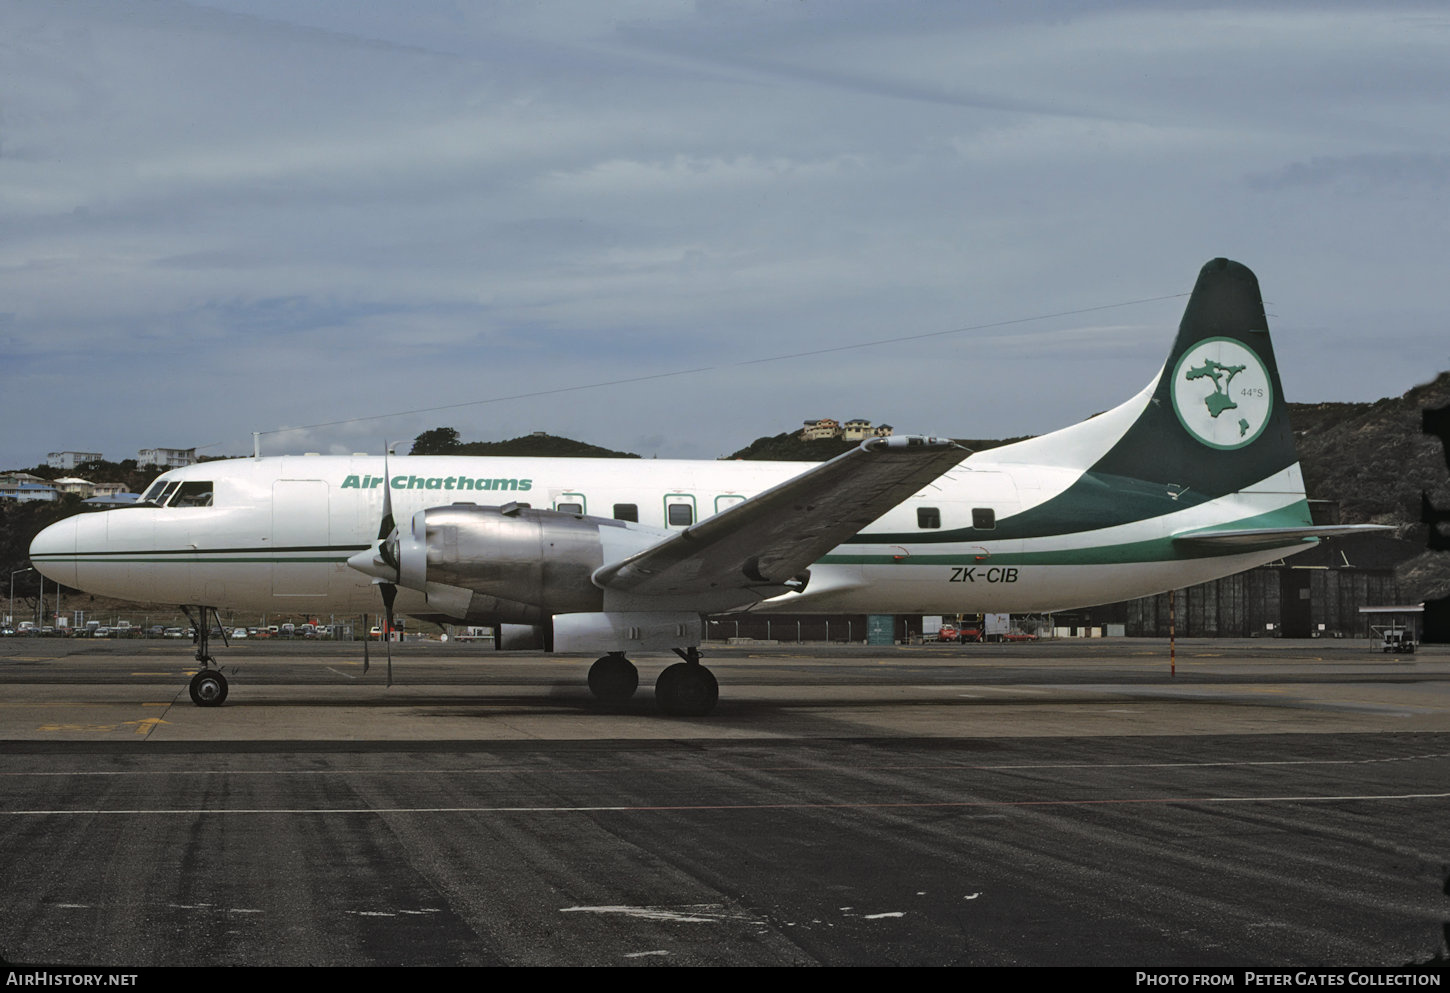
<point x="928" y="517"/>
<point x="681" y="515"/>
<point x="626" y="512"/>
<point x="984" y="518"/>
<point x="570" y="508"/>
<point x="192" y="494"/>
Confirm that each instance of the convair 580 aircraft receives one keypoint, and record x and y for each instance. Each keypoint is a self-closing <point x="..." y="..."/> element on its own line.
<point x="1192" y="479"/>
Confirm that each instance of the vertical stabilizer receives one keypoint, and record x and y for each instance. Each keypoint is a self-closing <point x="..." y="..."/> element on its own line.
<point x="1216" y="422"/>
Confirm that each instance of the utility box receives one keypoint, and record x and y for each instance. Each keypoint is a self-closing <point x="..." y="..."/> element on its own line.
<point x="880" y="629"/>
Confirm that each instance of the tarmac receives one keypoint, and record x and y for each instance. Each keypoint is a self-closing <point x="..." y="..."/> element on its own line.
<point x="1240" y="803"/>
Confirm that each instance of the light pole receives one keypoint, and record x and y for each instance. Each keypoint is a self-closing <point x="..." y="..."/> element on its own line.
<point x="17" y="572"/>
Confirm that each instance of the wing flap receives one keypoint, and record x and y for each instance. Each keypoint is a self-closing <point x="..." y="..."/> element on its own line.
<point x="767" y="542"/>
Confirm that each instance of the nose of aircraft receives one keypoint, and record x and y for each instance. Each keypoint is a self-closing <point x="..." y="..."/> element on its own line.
<point x="53" y="552"/>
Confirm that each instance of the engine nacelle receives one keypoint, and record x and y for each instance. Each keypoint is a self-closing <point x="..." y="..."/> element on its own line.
<point x="520" y="637"/>
<point x="521" y="565"/>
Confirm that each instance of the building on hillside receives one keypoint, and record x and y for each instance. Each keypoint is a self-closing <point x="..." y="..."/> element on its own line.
<point x="82" y="488"/>
<point x="122" y="499"/>
<point x="856" y="429"/>
<point x="166" y="458"/>
<point x="109" y="489"/>
<point x="821" y="430"/>
<point x="21" y="491"/>
<point x="69" y="460"/>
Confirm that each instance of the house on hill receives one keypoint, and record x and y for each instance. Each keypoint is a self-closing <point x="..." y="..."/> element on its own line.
<point x="856" y="429"/>
<point x="819" y="430"/>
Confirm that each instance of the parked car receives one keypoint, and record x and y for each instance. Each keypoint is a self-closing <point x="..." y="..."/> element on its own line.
<point x="950" y="632"/>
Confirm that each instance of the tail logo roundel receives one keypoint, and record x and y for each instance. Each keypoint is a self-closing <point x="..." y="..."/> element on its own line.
<point x="1222" y="393"/>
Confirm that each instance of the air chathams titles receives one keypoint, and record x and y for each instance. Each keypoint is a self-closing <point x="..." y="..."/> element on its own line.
<point x="438" y="483"/>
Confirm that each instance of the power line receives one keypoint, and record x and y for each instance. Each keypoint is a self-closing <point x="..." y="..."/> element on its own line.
<point x="724" y="365"/>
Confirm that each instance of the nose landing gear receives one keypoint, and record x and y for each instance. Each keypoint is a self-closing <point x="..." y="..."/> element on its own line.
<point x="209" y="686"/>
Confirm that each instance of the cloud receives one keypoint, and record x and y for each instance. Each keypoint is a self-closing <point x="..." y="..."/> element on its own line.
<point x="227" y="216"/>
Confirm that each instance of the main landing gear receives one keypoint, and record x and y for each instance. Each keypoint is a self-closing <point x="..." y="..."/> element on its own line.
<point x="209" y="686"/>
<point x="685" y="689"/>
<point x="613" y="679"/>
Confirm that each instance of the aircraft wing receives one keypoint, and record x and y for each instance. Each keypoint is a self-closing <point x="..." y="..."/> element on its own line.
<point x="1269" y="537"/>
<point x="770" y="539"/>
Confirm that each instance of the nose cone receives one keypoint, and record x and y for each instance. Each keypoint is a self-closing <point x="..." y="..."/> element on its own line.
<point x="370" y="563"/>
<point x="53" y="552"/>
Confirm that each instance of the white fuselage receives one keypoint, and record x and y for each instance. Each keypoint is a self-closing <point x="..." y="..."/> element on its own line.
<point x="278" y="532"/>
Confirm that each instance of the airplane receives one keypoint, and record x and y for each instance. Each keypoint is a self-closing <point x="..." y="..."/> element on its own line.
<point x="1192" y="479"/>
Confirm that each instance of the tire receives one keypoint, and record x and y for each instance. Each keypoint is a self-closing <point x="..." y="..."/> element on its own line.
<point x="613" y="679"/>
<point x="686" y="690"/>
<point x="208" y="688"/>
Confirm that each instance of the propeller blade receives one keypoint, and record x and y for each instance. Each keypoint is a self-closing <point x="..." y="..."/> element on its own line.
<point x="387" y="525"/>
<point x="389" y="592"/>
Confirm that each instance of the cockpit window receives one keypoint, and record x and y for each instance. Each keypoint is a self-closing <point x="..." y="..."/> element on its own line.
<point x="194" y="493"/>
<point x="167" y="488"/>
<point x="154" y="493"/>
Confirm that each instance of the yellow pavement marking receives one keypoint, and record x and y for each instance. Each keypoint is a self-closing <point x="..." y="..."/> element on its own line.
<point x="143" y="726"/>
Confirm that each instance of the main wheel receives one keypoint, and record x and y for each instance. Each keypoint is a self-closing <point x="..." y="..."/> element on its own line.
<point x="687" y="690"/>
<point x="613" y="679"/>
<point x="208" y="688"/>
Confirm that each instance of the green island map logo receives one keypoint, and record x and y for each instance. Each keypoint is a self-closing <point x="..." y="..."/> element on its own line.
<point x="1222" y="393"/>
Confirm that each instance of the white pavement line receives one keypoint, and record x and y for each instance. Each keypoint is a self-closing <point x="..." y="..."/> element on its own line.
<point x="514" y="770"/>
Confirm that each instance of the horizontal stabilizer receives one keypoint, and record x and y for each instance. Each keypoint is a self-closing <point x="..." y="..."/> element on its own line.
<point x="1269" y="537"/>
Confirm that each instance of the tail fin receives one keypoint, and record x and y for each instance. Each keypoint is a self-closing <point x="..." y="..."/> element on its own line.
<point x="1216" y="421"/>
<point x="1212" y="424"/>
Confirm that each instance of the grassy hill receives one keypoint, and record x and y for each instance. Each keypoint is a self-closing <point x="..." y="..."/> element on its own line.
<point x="1374" y="459"/>
<point x="789" y="447"/>
<point x="444" y="441"/>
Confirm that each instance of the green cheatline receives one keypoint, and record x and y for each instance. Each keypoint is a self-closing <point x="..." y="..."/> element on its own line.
<point x="1147" y="550"/>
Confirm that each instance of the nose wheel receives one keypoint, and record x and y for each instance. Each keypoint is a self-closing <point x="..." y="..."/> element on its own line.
<point x="209" y="688"/>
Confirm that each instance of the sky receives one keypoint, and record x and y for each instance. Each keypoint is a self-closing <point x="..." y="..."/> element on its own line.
<point x="654" y="225"/>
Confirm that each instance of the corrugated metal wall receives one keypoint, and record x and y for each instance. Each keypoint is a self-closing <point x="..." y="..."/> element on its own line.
<point x="1243" y="606"/>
